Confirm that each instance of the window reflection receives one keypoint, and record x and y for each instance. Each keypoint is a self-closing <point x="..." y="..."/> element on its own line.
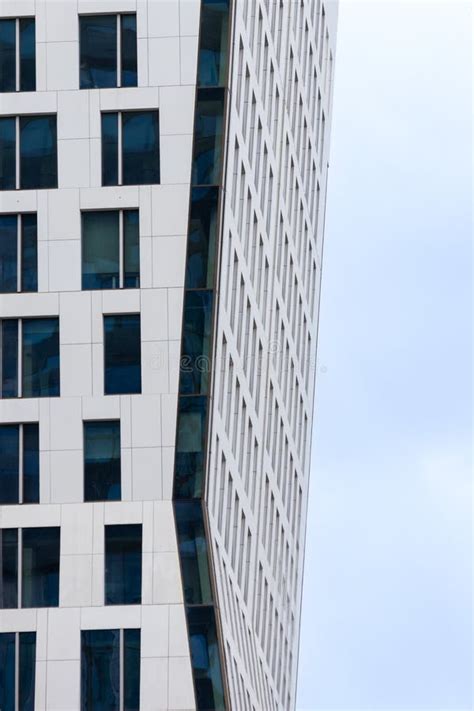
<point x="100" y="249"/>
<point x="213" y="49"/>
<point x="9" y="358"/>
<point x="102" y="460"/>
<point x="8" y="568"/>
<point x="123" y="564"/>
<point x="122" y="354"/>
<point x="190" y="447"/>
<point x="7" y="153"/>
<point x="141" y="151"/>
<point x="196" y="342"/>
<point x="38" y="152"/>
<point x="193" y="552"/>
<point x="40" y="358"/>
<point x="98" y="50"/>
<point x="208" y="137"/>
<point x="27" y="54"/>
<point x="40" y="568"/>
<point x="205" y="658"/>
<point x="7" y="55"/>
<point x="201" y="254"/>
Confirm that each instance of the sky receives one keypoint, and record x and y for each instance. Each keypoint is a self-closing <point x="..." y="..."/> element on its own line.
<point x="387" y="603"/>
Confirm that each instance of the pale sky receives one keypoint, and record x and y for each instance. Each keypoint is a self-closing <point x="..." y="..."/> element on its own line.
<point x="387" y="618"/>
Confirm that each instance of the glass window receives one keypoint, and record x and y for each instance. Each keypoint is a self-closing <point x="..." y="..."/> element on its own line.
<point x="26" y="671"/>
<point x="205" y="658"/>
<point x="8" y="568"/>
<point x="193" y="552"/>
<point x="102" y="234"/>
<point x="40" y="359"/>
<point x="7" y="153"/>
<point x="102" y="460"/>
<point x="128" y="46"/>
<point x="190" y="447"/>
<point x="26" y="279"/>
<point x="213" y="40"/>
<point x="140" y="148"/>
<point x="40" y="567"/>
<point x="123" y="564"/>
<point x="7" y="671"/>
<point x="38" y="152"/>
<point x="19" y="476"/>
<point x="27" y="54"/>
<point x="106" y="657"/>
<point x="98" y="50"/>
<point x="122" y="354"/>
<point x="9" y="358"/>
<point x="201" y="254"/>
<point x="196" y="342"/>
<point x="110" y="148"/>
<point x="208" y="137"/>
<point x="7" y="56"/>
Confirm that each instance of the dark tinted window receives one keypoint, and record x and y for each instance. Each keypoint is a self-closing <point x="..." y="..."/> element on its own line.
<point x="27" y="54"/>
<point x="122" y="354"/>
<point x="201" y="255"/>
<point x="100" y="670"/>
<point x="9" y="464"/>
<point x="208" y="135"/>
<point x="8" y="568"/>
<point x="123" y="564"/>
<point x="193" y="552"/>
<point x="40" y="361"/>
<point x="190" y="447"/>
<point x="110" y="149"/>
<point x="38" y="152"/>
<point x="7" y="56"/>
<point x="29" y="253"/>
<point x="8" y="253"/>
<point x="140" y="148"/>
<point x="205" y="658"/>
<point x="7" y="671"/>
<point x="40" y="569"/>
<point x="7" y="154"/>
<point x="30" y="463"/>
<point x="100" y="249"/>
<point x="98" y="50"/>
<point x="26" y="671"/>
<point x="131" y="249"/>
<point x="213" y="40"/>
<point x="102" y="461"/>
<point x="196" y="342"/>
<point x="9" y="358"/>
<point x="131" y="661"/>
<point x="129" y="50"/>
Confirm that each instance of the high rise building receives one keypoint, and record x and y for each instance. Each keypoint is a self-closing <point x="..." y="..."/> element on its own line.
<point x="163" y="172"/>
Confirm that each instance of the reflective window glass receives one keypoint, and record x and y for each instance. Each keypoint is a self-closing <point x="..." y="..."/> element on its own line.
<point x="7" y="56"/>
<point x="196" y="342"/>
<point x="100" y="249"/>
<point x="27" y="54"/>
<point x="40" y="567"/>
<point x="190" y="447"/>
<point x="38" y="152"/>
<point x="131" y="249"/>
<point x="8" y="568"/>
<point x="140" y="148"/>
<point x="201" y="254"/>
<point x="208" y="137"/>
<point x="26" y="671"/>
<point x="30" y="489"/>
<point x="205" y="658"/>
<point x="7" y="671"/>
<point x="122" y="354"/>
<point x="213" y="40"/>
<point x="110" y="175"/>
<point x="128" y="47"/>
<point x="131" y="662"/>
<point x="98" y="51"/>
<point x="100" y="670"/>
<point x="102" y="460"/>
<point x="9" y="464"/>
<point x="8" y="253"/>
<point x="29" y="253"/>
<point x="123" y="564"/>
<point x="40" y="358"/>
<point x="7" y="153"/>
<point x="193" y="552"/>
<point x="9" y="358"/>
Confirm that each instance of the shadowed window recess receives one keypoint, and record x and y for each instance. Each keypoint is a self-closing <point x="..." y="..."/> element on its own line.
<point x="19" y="464"/>
<point x="17" y="55"/>
<point x="108" y="51"/>
<point x="110" y="249"/>
<point x="17" y="671"/>
<point x="122" y="359"/>
<point x="35" y="154"/>
<point x="123" y="564"/>
<point x="130" y="148"/>
<point x="107" y="657"/>
<point x="18" y="253"/>
<point x="102" y="460"/>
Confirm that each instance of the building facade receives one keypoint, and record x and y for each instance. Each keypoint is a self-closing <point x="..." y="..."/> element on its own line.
<point x="163" y="173"/>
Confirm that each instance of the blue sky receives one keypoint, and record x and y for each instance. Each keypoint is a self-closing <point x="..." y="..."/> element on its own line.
<point x="387" y="616"/>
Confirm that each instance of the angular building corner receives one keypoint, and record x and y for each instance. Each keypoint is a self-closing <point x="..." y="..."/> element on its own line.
<point x="163" y="173"/>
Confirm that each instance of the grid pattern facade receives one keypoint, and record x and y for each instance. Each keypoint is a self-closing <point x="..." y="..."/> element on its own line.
<point x="283" y="56"/>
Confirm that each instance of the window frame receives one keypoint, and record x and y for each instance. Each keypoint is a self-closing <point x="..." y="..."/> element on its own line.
<point x="121" y="247"/>
<point x="18" y="54"/>
<point x="18" y="154"/>
<point x="119" y="58"/>
<point x="19" y="637"/>
<point x="21" y="463"/>
<point x="120" y="150"/>
<point x="19" y="251"/>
